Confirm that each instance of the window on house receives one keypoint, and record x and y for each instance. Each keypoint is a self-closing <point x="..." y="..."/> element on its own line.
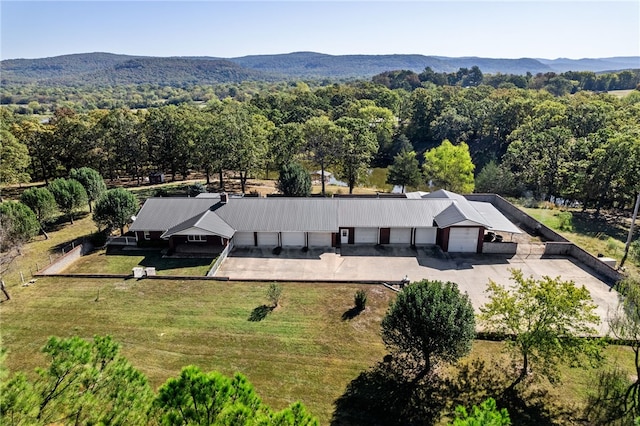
<point x="147" y="235"/>
<point x="197" y="238"/>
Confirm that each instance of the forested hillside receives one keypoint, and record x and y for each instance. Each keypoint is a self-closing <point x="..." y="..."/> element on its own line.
<point x="105" y="69"/>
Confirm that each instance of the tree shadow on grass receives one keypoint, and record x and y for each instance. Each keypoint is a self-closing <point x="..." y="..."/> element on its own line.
<point x="260" y="313"/>
<point x="351" y="313"/>
<point x="383" y="396"/>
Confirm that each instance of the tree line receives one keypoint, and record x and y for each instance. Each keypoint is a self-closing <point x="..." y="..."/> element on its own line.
<point x="582" y="147"/>
<point x="556" y="84"/>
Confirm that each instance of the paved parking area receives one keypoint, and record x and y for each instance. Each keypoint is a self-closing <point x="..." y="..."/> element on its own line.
<point x="470" y="272"/>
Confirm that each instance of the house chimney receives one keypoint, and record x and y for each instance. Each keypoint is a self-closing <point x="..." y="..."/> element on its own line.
<point x="224" y="197"/>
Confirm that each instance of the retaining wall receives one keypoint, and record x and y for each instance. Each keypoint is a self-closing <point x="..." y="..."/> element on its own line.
<point x="499" y="248"/>
<point x="518" y="217"/>
<point x="556" y="244"/>
<point x="66" y="259"/>
<point x="607" y="273"/>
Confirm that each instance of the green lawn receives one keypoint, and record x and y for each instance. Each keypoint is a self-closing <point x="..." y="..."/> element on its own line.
<point x="102" y="263"/>
<point x="302" y="350"/>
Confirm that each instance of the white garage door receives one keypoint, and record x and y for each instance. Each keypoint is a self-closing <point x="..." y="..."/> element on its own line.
<point x="463" y="240"/>
<point x="366" y="236"/>
<point x="293" y="239"/>
<point x="425" y="236"/>
<point x="268" y="239"/>
<point x="319" y="239"/>
<point x="400" y="236"/>
<point x="243" y="239"/>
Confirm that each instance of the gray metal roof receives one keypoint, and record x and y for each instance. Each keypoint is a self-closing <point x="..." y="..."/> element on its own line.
<point x="460" y="213"/>
<point x="280" y="214"/>
<point x="202" y="224"/>
<point x="495" y="219"/>
<point x="162" y="213"/>
<point x="388" y="212"/>
<point x="443" y="193"/>
<point x="178" y="216"/>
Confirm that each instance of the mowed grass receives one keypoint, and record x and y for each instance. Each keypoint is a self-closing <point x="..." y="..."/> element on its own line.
<point x="302" y="350"/>
<point x="101" y="263"/>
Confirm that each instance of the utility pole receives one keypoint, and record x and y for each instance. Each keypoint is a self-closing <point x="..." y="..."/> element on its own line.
<point x="633" y="222"/>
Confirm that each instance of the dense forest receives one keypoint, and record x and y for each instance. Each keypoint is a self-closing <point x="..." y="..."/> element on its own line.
<point x="575" y="144"/>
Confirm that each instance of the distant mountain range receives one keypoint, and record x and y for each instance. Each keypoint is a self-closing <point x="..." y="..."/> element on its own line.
<point x="107" y="69"/>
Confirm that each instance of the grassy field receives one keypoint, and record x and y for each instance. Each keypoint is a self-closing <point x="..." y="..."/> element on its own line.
<point x="101" y="263"/>
<point x="302" y="350"/>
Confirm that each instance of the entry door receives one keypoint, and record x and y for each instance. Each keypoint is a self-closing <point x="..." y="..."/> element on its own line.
<point x="344" y="236"/>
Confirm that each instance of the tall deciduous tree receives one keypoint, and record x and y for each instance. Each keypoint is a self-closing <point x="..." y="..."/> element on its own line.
<point x="14" y="159"/>
<point x="171" y="137"/>
<point x="245" y="135"/>
<point x="115" y="209"/>
<point x="38" y="138"/>
<point x="549" y="320"/>
<point x="430" y="322"/>
<point x="294" y="181"/>
<point x="324" y="139"/>
<point x="91" y="181"/>
<point x="450" y="167"/>
<point x="405" y="170"/>
<point x="358" y="147"/>
<point x="41" y="201"/>
<point x="70" y="195"/>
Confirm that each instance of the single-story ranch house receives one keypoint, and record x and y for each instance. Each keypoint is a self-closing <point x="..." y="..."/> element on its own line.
<point x="212" y="221"/>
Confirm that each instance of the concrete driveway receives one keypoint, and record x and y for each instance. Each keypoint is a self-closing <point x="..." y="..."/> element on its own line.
<point x="384" y="263"/>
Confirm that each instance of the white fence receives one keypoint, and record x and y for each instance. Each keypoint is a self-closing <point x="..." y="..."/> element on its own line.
<point x="220" y="259"/>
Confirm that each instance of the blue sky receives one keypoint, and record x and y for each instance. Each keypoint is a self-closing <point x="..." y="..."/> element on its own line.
<point x="499" y="29"/>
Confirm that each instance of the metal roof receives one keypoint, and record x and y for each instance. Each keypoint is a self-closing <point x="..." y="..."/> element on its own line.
<point x="280" y="214"/>
<point x="495" y="219"/>
<point x="162" y="213"/>
<point x="181" y="216"/>
<point x="388" y="212"/>
<point x="460" y="213"/>
<point x="202" y="224"/>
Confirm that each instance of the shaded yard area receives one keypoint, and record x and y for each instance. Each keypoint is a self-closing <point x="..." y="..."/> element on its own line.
<point x="123" y="262"/>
